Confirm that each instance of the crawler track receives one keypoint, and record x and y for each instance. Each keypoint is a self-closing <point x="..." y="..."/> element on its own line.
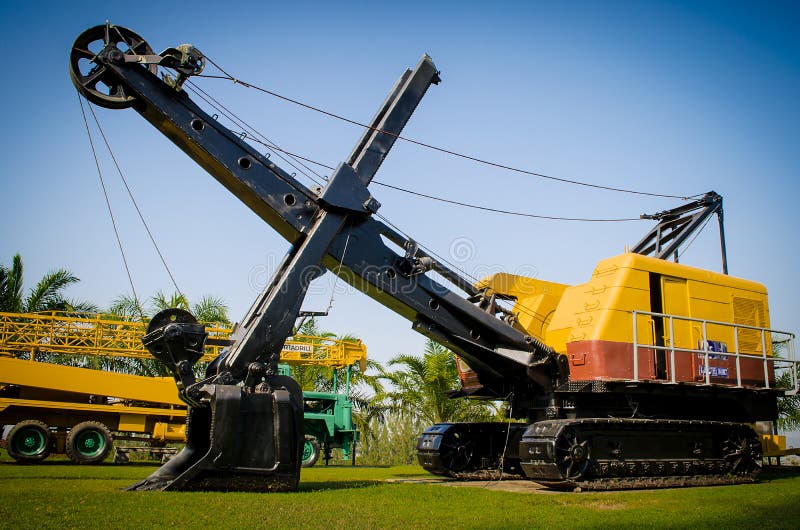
<point x="597" y="453"/>
<point x="608" y="453"/>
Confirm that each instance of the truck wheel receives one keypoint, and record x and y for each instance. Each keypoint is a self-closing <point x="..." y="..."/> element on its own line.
<point x="310" y="452"/>
<point x="89" y="442"/>
<point x="29" y="442"/>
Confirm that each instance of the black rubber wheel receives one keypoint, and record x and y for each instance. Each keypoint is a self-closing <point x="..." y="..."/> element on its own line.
<point x="310" y="452"/>
<point x="89" y="442"/>
<point x="29" y="442"/>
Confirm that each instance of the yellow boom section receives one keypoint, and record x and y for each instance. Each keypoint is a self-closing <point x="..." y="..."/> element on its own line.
<point x="108" y="335"/>
<point x="57" y="378"/>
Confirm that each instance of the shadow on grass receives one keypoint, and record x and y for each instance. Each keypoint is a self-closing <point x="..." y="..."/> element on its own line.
<point x="68" y="463"/>
<point x="310" y="487"/>
<point x="770" y="473"/>
<point x="348" y="466"/>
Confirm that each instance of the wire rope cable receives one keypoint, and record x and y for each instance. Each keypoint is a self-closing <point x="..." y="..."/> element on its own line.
<point x="339" y="269"/>
<point x="426" y="145"/>
<point x="214" y="103"/>
<point x="110" y="211"/>
<point x="689" y="244"/>
<point x="136" y="205"/>
<point x="231" y="115"/>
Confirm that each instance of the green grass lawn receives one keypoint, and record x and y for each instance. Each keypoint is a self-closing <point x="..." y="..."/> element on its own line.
<point x="57" y="494"/>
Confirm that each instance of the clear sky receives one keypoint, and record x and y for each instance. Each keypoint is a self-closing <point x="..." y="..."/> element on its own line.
<point x="670" y="97"/>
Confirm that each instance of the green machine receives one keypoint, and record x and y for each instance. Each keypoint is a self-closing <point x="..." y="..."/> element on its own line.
<point x="328" y="421"/>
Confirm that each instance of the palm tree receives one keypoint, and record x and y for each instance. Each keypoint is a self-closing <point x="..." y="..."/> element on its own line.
<point x="788" y="406"/>
<point x="420" y="388"/>
<point x="46" y="295"/>
<point x="128" y="307"/>
<point x="160" y="301"/>
<point x="209" y="309"/>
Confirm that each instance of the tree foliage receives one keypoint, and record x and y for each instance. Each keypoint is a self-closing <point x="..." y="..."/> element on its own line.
<point x="208" y="309"/>
<point x="788" y="406"/>
<point x="46" y="295"/>
<point x="414" y="393"/>
<point x="420" y="387"/>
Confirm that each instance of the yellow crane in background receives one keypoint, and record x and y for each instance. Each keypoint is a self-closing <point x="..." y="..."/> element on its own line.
<point x="53" y="408"/>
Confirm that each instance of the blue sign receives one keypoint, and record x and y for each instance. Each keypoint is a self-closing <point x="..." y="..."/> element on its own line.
<point x="714" y="346"/>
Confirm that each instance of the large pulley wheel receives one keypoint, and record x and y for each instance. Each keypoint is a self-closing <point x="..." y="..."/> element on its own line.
<point x="29" y="442"/>
<point x="89" y="442"/>
<point x="92" y="79"/>
<point x="573" y="454"/>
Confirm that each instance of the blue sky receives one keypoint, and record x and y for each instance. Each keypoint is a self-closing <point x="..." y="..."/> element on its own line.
<point x="669" y="97"/>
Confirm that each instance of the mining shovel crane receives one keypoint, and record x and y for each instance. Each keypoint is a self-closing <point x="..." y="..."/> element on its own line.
<point x="616" y="385"/>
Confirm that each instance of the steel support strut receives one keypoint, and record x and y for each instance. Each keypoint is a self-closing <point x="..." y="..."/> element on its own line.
<point x="675" y="226"/>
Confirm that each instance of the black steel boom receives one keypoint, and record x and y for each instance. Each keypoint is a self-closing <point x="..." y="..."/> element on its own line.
<point x="321" y="225"/>
<point x="329" y="228"/>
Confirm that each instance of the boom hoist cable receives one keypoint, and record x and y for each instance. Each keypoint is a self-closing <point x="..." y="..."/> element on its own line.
<point x="254" y="134"/>
<point x="251" y="133"/>
<point x="291" y="158"/>
<point x="446" y="151"/>
<point x="297" y="162"/>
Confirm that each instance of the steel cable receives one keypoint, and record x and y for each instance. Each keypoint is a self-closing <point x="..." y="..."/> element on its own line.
<point x="110" y="212"/>
<point x="450" y="152"/>
<point x="136" y="205"/>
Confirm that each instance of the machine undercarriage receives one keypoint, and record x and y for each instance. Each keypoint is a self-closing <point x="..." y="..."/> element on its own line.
<point x="591" y="452"/>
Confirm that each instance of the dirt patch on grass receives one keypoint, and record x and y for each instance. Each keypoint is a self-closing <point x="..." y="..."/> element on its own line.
<point x="516" y="486"/>
<point x="604" y="506"/>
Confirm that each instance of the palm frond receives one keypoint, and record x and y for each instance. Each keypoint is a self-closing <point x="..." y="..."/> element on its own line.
<point x="127" y="306"/>
<point x="211" y="309"/>
<point x="161" y="302"/>
<point x="46" y="294"/>
<point x="11" y="286"/>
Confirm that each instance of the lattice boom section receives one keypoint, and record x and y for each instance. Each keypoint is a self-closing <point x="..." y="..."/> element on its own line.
<point x="107" y="335"/>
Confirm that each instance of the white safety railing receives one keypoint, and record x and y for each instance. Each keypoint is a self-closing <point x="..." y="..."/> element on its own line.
<point x="774" y="365"/>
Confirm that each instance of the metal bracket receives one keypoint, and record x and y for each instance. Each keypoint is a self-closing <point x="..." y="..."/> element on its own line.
<point x="345" y="191"/>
